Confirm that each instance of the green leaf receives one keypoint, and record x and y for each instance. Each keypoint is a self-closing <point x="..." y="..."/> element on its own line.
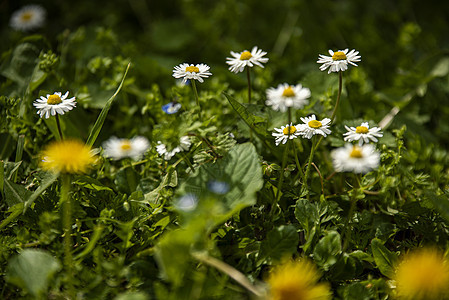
<point x="32" y="270"/>
<point x="170" y="179"/>
<point x="307" y="214"/>
<point x="46" y="182"/>
<point x="132" y="296"/>
<point x="15" y="193"/>
<point x="104" y="112"/>
<point x="281" y="242"/>
<point x="439" y="202"/>
<point x="240" y="169"/>
<point x="252" y="121"/>
<point x="15" y="211"/>
<point x="91" y="183"/>
<point x="173" y="254"/>
<point x="327" y="249"/>
<point x="384" y="258"/>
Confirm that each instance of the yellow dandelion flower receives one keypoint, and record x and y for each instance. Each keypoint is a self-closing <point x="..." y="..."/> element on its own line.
<point x="297" y="280"/>
<point x="423" y="274"/>
<point x="67" y="156"/>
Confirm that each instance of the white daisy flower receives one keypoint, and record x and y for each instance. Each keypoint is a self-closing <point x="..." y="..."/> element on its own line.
<point x="28" y="18"/>
<point x="338" y="61"/>
<point x="184" y="145"/>
<point x="356" y="159"/>
<point x="285" y="133"/>
<point x="116" y="148"/>
<point x="240" y="60"/>
<point x="52" y="104"/>
<point x="285" y="96"/>
<point x="362" y="133"/>
<point x="312" y="127"/>
<point x="196" y="72"/>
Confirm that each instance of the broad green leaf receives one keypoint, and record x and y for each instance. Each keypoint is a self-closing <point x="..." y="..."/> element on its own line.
<point x="15" y="193"/>
<point x="32" y="270"/>
<point x="172" y="253"/>
<point x="240" y="169"/>
<point x="280" y="242"/>
<point x="327" y="249"/>
<point x="37" y="78"/>
<point x="104" y="112"/>
<point x="252" y="121"/>
<point x="384" y="258"/>
<point x="307" y="214"/>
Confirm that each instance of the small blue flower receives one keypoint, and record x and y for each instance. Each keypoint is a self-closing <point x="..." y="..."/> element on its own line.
<point x="171" y="108"/>
<point x="218" y="187"/>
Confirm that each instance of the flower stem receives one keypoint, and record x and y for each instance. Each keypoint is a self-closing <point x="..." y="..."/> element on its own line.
<point x="58" y="123"/>
<point x="309" y="165"/>
<point x="281" y="179"/>
<point x="67" y="226"/>
<point x="197" y="99"/>
<point x="351" y="211"/>
<point x="298" y="165"/>
<point x="340" y="86"/>
<point x="248" y="77"/>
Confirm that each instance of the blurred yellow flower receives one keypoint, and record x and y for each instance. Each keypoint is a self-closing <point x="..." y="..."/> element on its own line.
<point x="297" y="280"/>
<point x="67" y="156"/>
<point x="423" y="274"/>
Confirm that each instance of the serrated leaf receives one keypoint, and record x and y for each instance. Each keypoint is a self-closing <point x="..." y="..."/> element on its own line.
<point x="384" y="258"/>
<point x="280" y="242"/>
<point x="31" y="270"/>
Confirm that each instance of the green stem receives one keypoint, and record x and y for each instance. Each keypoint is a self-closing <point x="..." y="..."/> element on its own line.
<point x="348" y="224"/>
<point x="67" y="226"/>
<point x="309" y="165"/>
<point x="298" y="165"/>
<point x="248" y="77"/>
<point x="281" y="179"/>
<point x="197" y="99"/>
<point x="59" y="127"/>
<point x="340" y="86"/>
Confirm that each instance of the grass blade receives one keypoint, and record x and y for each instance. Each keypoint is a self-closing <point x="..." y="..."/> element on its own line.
<point x="104" y="112"/>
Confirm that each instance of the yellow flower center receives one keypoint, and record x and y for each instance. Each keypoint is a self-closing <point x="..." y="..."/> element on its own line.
<point x="361" y="129"/>
<point x="67" y="156"/>
<point x="192" y="69"/>
<point x="54" y="99"/>
<point x="288" y="92"/>
<point x="27" y="16"/>
<point x="245" y="55"/>
<point x="289" y="130"/>
<point x="315" y="124"/>
<point x="356" y="152"/>
<point x="126" y="145"/>
<point x="339" y="55"/>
